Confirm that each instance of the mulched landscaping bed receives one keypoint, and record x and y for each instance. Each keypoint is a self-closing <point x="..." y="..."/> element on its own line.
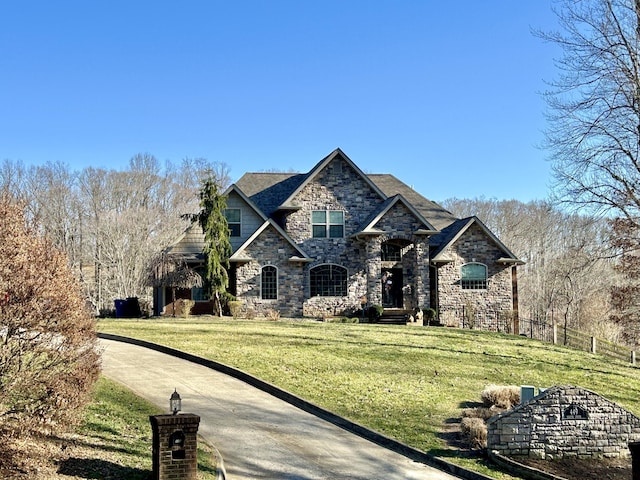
<point x="581" y="469"/>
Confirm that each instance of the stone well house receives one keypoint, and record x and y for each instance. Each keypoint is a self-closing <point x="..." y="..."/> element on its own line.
<point x="323" y="243"/>
<point x="563" y="421"/>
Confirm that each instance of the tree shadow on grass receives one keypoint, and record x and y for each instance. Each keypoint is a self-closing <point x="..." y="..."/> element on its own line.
<point x="101" y="469"/>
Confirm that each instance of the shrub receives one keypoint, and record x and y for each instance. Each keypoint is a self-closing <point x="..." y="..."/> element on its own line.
<point x="429" y="315"/>
<point x="48" y="341"/>
<point x="500" y="396"/>
<point x="225" y="300"/>
<point x="235" y="308"/>
<point x="470" y="312"/>
<point x="474" y="432"/>
<point x="375" y="312"/>
<point x="506" y="321"/>
<point x="272" y="314"/>
<point x="184" y="307"/>
<point x="342" y="320"/>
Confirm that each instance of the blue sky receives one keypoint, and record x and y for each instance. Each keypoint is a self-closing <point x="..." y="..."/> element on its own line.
<point x="445" y="95"/>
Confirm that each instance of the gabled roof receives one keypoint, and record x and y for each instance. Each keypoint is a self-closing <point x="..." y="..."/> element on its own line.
<point x="368" y="227"/>
<point x="434" y="213"/>
<point x="234" y="188"/>
<point x="288" y="202"/>
<point x="188" y="245"/>
<point x="453" y="232"/>
<point x="269" y="190"/>
<point x="238" y="254"/>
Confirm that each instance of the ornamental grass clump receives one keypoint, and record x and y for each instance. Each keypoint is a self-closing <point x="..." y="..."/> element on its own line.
<point x="501" y="396"/>
<point x="496" y="399"/>
<point x="474" y="432"/>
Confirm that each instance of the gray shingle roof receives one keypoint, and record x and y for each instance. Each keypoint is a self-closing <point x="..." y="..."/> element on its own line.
<point x="431" y="211"/>
<point x="269" y="190"/>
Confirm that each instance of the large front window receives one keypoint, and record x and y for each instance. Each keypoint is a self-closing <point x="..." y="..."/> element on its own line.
<point x="327" y="223"/>
<point x="328" y="281"/>
<point x="269" y="287"/>
<point x="473" y="276"/>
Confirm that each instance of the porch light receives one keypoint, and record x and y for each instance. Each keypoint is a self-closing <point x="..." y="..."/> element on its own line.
<point x="175" y="402"/>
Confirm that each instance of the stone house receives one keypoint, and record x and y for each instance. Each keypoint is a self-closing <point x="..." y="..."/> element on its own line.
<point x="324" y="243"/>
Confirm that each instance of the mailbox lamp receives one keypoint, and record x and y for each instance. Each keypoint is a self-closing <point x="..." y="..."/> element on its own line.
<point x="175" y="402"/>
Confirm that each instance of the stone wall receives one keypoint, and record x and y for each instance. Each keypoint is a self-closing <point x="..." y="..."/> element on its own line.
<point x="474" y="246"/>
<point x="561" y="422"/>
<point x="271" y="248"/>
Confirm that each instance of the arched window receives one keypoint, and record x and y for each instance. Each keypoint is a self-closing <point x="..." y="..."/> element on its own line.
<point x="394" y="250"/>
<point x="473" y="276"/>
<point x="328" y="281"/>
<point x="269" y="284"/>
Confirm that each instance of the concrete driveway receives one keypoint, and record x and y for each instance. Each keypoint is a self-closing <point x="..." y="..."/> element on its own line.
<point x="258" y="435"/>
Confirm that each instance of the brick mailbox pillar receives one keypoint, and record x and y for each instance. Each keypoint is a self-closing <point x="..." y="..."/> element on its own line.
<point x="175" y="445"/>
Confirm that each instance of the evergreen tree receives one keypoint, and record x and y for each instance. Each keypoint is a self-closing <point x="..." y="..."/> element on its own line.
<point x="217" y="249"/>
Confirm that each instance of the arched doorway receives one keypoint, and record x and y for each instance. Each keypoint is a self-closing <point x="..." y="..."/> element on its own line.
<point x="392" y="271"/>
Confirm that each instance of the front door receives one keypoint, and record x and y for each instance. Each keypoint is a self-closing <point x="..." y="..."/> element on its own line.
<point x="392" y="287"/>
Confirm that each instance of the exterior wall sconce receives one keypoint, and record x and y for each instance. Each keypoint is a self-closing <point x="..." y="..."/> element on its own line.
<point x="175" y="402"/>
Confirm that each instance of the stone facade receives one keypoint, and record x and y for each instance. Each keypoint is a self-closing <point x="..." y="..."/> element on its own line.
<point x="270" y="248"/>
<point x="380" y="213"/>
<point x="564" y="421"/>
<point x="494" y="301"/>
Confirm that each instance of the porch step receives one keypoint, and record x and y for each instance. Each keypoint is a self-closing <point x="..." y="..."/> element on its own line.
<point x="394" y="316"/>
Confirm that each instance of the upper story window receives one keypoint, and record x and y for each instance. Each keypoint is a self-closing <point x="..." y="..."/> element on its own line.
<point x="327" y="223"/>
<point x="233" y="220"/>
<point x="473" y="276"/>
<point x="269" y="283"/>
<point x="328" y="281"/>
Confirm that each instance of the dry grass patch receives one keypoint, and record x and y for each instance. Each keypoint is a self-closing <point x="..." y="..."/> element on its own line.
<point x="113" y="442"/>
<point x="501" y="396"/>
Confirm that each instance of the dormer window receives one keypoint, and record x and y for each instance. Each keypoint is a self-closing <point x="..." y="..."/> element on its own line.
<point x="473" y="276"/>
<point x="327" y="223"/>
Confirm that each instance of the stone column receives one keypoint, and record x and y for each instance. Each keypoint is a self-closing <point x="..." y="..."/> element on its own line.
<point x="175" y="445"/>
<point x="422" y="271"/>
<point x="374" y="287"/>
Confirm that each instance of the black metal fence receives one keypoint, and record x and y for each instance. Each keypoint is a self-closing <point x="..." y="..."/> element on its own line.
<point x="541" y="330"/>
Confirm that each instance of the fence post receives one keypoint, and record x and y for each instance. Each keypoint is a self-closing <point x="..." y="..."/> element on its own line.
<point x="593" y="344"/>
<point x="633" y="357"/>
<point x="555" y="334"/>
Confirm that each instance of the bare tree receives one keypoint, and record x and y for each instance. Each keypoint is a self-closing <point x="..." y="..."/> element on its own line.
<point x="594" y="106"/>
<point x="567" y="276"/>
<point x="12" y="178"/>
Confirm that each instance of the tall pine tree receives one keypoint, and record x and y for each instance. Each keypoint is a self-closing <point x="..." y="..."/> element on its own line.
<point x="217" y="248"/>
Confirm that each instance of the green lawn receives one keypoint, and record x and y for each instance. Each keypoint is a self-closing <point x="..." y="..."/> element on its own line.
<point x="406" y="382"/>
<point x="116" y="438"/>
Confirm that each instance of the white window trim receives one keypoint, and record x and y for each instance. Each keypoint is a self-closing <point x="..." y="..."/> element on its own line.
<point x="235" y="223"/>
<point x="327" y="224"/>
